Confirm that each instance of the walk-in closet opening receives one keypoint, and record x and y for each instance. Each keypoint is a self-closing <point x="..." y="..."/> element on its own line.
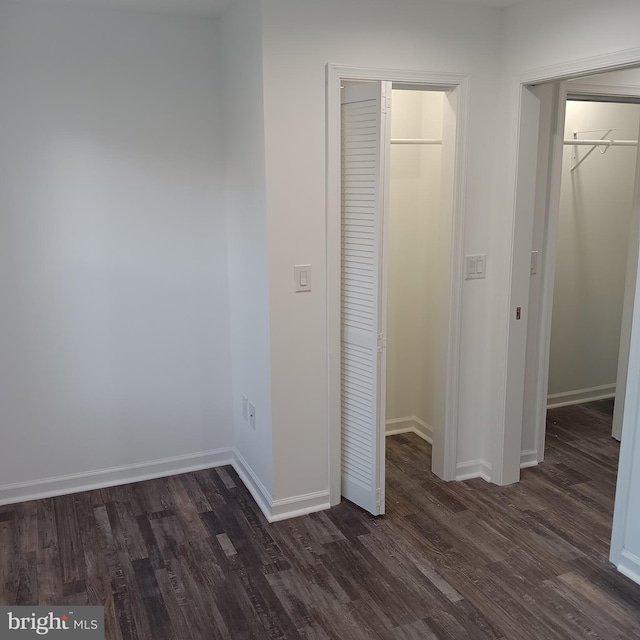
<point x="595" y="263"/>
<point x="584" y="253"/>
<point x="583" y="280"/>
<point x="605" y="480"/>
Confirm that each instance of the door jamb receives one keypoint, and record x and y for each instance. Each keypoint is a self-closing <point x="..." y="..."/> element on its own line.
<point x="548" y="265"/>
<point x="460" y="84"/>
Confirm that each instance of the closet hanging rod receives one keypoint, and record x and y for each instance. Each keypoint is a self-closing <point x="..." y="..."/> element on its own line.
<point x="416" y="141"/>
<point x="597" y="144"/>
<point x="601" y="143"/>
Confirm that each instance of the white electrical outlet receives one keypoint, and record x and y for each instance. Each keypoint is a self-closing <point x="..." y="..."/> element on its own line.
<point x="245" y="408"/>
<point x="252" y="415"/>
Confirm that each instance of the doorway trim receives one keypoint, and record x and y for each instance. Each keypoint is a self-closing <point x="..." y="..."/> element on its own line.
<point x="509" y="459"/>
<point x="549" y="246"/>
<point x="445" y="448"/>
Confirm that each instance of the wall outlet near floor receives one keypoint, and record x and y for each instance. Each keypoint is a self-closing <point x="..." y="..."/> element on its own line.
<point x="245" y="408"/>
<point x="252" y="415"/>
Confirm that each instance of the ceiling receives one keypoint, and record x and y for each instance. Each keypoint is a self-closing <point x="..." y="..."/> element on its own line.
<point x="213" y="8"/>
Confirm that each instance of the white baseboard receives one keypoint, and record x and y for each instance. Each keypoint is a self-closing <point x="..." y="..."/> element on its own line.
<point x="259" y="492"/>
<point x="74" y="483"/>
<point x="273" y="510"/>
<point x="482" y="469"/>
<point x="579" y="396"/>
<point x="410" y="424"/>
<point x="528" y="458"/>
<point x="473" y="469"/>
<point x="299" y="505"/>
<point x="285" y="508"/>
<point x="629" y="565"/>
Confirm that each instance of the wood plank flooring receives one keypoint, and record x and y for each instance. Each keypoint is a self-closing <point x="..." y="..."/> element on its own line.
<point x="191" y="557"/>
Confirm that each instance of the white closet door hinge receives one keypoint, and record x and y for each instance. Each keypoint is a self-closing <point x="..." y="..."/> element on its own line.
<point x="385" y="102"/>
<point x="382" y="343"/>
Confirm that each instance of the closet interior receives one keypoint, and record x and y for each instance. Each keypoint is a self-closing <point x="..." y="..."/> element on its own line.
<point x="414" y="257"/>
<point x="595" y="229"/>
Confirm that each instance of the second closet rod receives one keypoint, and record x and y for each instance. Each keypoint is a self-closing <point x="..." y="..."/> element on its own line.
<point x="416" y="141"/>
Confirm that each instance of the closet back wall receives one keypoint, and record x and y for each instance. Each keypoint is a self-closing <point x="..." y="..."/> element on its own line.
<point x="414" y="207"/>
<point x="113" y="272"/>
<point x="593" y="234"/>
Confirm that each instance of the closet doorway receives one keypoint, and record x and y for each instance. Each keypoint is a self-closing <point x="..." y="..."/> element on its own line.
<point x="543" y="97"/>
<point x="584" y="253"/>
<point x="595" y="260"/>
<point x="369" y="288"/>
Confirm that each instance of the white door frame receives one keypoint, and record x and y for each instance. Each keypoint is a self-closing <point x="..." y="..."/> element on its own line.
<point x="445" y="445"/>
<point x="547" y="207"/>
<point x="520" y="267"/>
<point x="549" y="249"/>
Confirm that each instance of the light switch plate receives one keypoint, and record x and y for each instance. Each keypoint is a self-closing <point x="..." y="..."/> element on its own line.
<point x="302" y="276"/>
<point x="534" y="263"/>
<point x="475" y="267"/>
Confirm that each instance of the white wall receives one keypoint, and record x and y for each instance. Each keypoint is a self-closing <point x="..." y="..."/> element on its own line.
<point x="414" y="209"/>
<point x="552" y="32"/>
<point x="244" y="173"/>
<point x="300" y="37"/>
<point x="593" y="234"/>
<point x="113" y="267"/>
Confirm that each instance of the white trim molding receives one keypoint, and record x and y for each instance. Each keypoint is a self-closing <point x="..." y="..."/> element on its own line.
<point x="601" y="90"/>
<point x="284" y="508"/>
<point x="580" y="396"/>
<point x="410" y="424"/>
<point x="114" y="476"/>
<point x="629" y="565"/>
<point x="255" y="486"/>
<point x="473" y="469"/>
<point x="603" y="63"/>
<point x="528" y="458"/>
<point x="299" y="505"/>
<point x="273" y="510"/>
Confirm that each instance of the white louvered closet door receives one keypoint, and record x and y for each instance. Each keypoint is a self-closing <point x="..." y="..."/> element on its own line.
<point x="364" y="157"/>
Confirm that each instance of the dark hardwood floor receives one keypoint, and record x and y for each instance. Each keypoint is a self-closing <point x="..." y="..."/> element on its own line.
<point x="191" y="557"/>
